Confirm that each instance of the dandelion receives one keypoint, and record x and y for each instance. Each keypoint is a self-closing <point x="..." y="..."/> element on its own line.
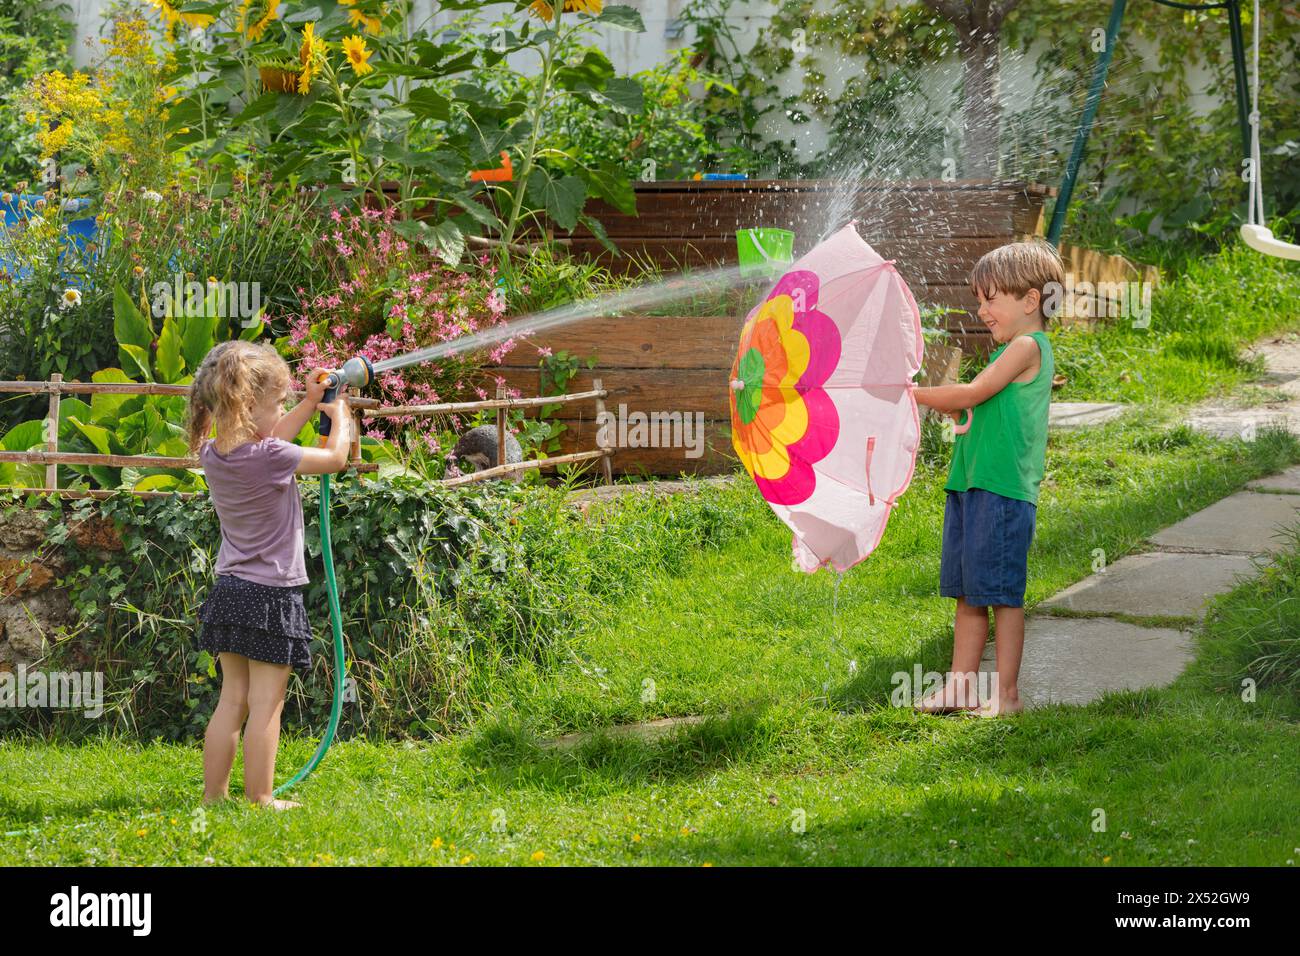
<point x="354" y="47"/>
<point x="538" y="857"/>
<point x="71" y="299"/>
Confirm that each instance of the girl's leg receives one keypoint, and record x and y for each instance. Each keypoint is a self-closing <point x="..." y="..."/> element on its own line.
<point x="1009" y="633"/>
<point x="970" y="632"/>
<point x="222" y="737"/>
<point x="266" y="685"/>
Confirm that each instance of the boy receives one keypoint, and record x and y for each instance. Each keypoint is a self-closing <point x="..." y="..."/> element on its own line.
<point x="992" y="488"/>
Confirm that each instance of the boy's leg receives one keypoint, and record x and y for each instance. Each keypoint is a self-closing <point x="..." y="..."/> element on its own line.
<point x="959" y="691"/>
<point x="970" y="633"/>
<point x="1009" y="635"/>
<point x="221" y="739"/>
<point x="266" y="685"/>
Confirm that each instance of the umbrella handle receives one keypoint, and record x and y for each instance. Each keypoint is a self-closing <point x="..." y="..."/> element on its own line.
<point x="963" y="428"/>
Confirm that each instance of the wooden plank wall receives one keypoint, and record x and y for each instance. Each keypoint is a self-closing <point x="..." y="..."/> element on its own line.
<point x="680" y="364"/>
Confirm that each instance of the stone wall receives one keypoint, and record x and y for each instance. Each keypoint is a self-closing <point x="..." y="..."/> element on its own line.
<point x="34" y="610"/>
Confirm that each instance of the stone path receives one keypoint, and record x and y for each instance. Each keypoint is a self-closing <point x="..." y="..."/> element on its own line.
<point x="1099" y="646"/>
<point x="1081" y="414"/>
<point x="1281" y="357"/>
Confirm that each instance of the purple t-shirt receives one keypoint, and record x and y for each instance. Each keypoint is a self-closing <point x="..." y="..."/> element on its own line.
<point x="255" y="491"/>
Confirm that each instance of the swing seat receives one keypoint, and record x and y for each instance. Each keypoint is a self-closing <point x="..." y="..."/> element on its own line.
<point x="1261" y="239"/>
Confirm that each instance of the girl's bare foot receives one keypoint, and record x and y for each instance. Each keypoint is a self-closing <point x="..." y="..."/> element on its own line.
<point x="218" y="798"/>
<point x="275" y="804"/>
<point x="954" y="695"/>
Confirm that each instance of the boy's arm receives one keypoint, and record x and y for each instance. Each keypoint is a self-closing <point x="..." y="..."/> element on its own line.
<point x="1019" y="355"/>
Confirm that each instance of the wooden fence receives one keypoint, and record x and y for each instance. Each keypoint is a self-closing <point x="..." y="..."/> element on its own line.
<point x="52" y="458"/>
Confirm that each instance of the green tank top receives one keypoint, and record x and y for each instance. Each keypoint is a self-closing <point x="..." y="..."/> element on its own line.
<point x="1005" y="449"/>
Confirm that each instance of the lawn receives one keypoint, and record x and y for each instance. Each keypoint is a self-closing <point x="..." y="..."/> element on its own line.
<point x="803" y="759"/>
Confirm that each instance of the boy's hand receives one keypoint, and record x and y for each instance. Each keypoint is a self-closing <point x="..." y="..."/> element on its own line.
<point x="316" y="386"/>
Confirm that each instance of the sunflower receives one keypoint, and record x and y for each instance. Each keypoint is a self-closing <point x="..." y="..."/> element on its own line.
<point x="358" y="55"/>
<point x="309" y="55"/>
<point x="171" y="14"/>
<point x="362" y="21"/>
<point x="256" y="15"/>
<point x="546" y="9"/>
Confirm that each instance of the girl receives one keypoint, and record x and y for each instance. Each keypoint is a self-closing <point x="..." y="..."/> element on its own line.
<point x="253" y="620"/>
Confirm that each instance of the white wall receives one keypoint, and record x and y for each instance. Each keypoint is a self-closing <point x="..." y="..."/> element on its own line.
<point x="631" y="52"/>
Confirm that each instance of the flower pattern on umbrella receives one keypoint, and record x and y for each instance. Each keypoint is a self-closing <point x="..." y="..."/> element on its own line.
<point x="782" y="420"/>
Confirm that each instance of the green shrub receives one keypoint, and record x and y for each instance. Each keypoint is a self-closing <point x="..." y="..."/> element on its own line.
<point x="447" y="595"/>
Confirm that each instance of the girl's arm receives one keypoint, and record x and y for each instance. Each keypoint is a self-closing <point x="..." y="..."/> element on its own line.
<point x="292" y="421"/>
<point x="334" y="456"/>
<point x="1019" y="355"/>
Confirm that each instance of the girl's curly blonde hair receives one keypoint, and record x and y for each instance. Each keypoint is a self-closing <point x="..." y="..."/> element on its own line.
<point x="231" y="382"/>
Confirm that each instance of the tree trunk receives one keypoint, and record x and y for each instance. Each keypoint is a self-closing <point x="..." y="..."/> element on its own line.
<point x="981" y="115"/>
<point x="979" y="26"/>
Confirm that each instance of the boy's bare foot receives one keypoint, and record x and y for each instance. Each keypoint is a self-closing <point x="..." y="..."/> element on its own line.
<point x="954" y="695"/>
<point x="999" y="706"/>
<point x="273" y="804"/>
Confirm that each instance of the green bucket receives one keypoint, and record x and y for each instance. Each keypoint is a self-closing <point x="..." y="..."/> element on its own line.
<point x="763" y="251"/>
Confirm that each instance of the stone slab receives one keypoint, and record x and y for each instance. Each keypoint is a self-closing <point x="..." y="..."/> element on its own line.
<point x="1155" y="583"/>
<point x="1247" y="522"/>
<point x="1287" y="481"/>
<point x="1081" y="414"/>
<point x="1077" y="660"/>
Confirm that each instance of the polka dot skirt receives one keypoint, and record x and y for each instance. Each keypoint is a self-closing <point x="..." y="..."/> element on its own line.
<point x="261" y="622"/>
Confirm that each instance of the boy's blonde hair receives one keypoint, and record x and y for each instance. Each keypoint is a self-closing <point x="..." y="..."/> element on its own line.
<point x="1018" y="267"/>
<point x="231" y="381"/>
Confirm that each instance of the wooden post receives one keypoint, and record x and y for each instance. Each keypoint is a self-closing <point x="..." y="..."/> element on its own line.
<point x="52" y="432"/>
<point x="501" y="428"/>
<point x="354" y="447"/>
<point x="600" y="415"/>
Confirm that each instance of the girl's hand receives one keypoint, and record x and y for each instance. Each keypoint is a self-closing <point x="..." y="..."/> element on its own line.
<point x="315" y="386"/>
<point x="337" y="411"/>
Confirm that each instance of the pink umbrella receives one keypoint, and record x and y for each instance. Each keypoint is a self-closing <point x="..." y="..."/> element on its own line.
<point x="822" y="413"/>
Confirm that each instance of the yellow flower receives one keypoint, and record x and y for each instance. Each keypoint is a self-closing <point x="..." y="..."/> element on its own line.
<point x="538" y="857"/>
<point x="171" y="14"/>
<point x="256" y="15"/>
<point x="437" y="843"/>
<point x="371" y="25"/>
<point x="309" y="55"/>
<point x="358" y="55"/>
<point x="546" y="9"/>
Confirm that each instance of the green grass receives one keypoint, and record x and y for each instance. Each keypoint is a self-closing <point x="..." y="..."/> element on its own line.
<point x="703" y="615"/>
<point x="1190" y="774"/>
<point x="1192" y="349"/>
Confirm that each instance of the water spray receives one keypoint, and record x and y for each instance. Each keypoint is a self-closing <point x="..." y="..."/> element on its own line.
<point x="358" y="373"/>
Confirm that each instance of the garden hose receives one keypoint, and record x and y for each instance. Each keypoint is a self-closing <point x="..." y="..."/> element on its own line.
<point x="358" y="372"/>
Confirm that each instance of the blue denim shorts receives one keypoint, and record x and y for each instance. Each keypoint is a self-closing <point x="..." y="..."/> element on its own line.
<point x="986" y="541"/>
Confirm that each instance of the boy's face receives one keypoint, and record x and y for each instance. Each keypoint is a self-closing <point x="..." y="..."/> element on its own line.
<point x="1007" y="316"/>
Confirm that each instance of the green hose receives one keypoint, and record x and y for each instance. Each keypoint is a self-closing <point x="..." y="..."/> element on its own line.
<point x="336" y="617"/>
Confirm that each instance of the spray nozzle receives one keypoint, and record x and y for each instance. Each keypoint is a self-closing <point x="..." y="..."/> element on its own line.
<point x="357" y="372"/>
